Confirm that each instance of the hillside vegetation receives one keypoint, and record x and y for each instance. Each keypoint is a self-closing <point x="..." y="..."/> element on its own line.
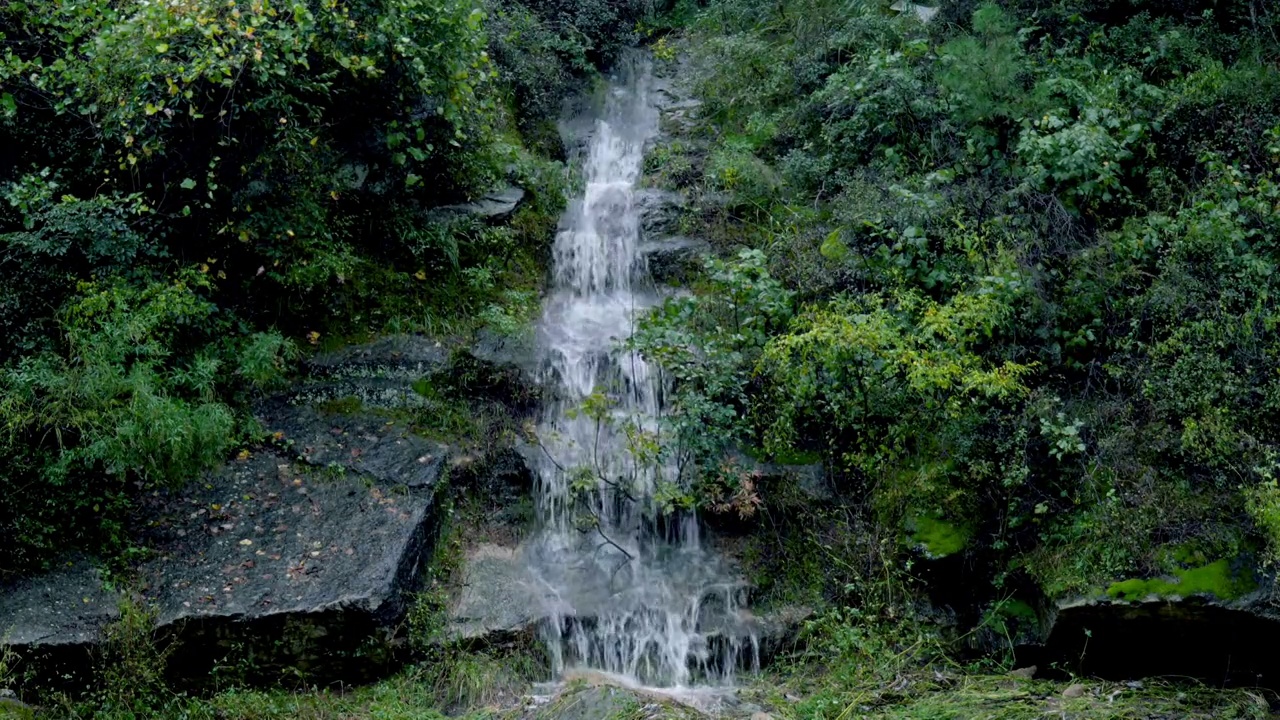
<point x="1011" y="273"/>
<point x="195" y="190"/>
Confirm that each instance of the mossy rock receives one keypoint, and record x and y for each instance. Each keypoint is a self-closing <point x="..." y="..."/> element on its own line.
<point x="937" y="537"/>
<point x="1220" y="579"/>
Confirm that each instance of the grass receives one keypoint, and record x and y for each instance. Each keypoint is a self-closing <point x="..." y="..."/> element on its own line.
<point x="979" y="697"/>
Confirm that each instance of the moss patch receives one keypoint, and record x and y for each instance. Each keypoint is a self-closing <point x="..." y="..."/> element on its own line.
<point x="937" y="537"/>
<point x="1216" y="578"/>
<point x="341" y="406"/>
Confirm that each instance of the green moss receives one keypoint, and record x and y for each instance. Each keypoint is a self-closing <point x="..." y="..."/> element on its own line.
<point x="937" y="537"/>
<point x="1018" y="609"/>
<point x="423" y="387"/>
<point x="1216" y="578"/>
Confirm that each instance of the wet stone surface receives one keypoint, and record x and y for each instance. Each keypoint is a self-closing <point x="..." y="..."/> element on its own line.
<point x="53" y="621"/>
<point x="385" y="450"/>
<point x="298" y="568"/>
<point x="298" y="558"/>
<point x="674" y="260"/>
<point x="496" y="599"/>
<point x="493" y="206"/>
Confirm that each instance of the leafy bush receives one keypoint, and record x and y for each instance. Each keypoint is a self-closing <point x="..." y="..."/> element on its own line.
<point x="1033" y="250"/>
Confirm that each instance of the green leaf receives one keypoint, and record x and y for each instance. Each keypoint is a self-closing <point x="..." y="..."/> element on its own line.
<point x="833" y="248"/>
<point x="7" y="102"/>
<point x="187" y="184"/>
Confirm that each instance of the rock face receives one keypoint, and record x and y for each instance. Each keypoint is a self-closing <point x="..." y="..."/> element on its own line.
<point x="1221" y="641"/>
<point x="54" y="621"/>
<point x="298" y="569"/>
<point x="297" y="559"/>
<point x="383" y="450"/>
<point x="266" y="567"/>
<point x="495" y="206"/>
<point x="659" y="212"/>
<point x="674" y="260"/>
<point x="594" y="697"/>
<point x="497" y="599"/>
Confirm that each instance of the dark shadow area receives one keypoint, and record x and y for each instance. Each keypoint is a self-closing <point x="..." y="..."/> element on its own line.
<point x="1187" y="638"/>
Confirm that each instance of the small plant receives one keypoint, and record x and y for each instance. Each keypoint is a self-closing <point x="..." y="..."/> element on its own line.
<point x="266" y="358"/>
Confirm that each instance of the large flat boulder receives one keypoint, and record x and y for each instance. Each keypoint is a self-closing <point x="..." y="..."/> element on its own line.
<point x="494" y="206"/>
<point x="54" y="621"/>
<point x="286" y="565"/>
<point x="298" y="560"/>
<point x="387" y="451"/>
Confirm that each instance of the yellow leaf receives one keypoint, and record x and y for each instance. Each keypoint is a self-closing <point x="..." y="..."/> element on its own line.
<point x="421" y="274"/>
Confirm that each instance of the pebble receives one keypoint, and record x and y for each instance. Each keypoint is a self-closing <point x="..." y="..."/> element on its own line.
<point x="1073" y="691"/>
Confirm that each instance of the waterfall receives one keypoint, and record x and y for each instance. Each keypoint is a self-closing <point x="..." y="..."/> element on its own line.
<point x="634" y="592"/>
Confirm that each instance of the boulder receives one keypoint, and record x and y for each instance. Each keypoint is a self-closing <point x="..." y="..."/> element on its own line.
<point x="408" y="356"/>
<point x="494" y="206"/>
<point x="383" y="450"/>
<point x="592" y="696"/>
<point x="274" y="568"/>
<point x="54" y="621"/>
<point x="659" y="211"/>
<point x="496" y="601"/>
<point x="674" y="260"/>
<point x="278" y="564"/>
<point x="377" y="375"/>
<point x="1201" y="636"/>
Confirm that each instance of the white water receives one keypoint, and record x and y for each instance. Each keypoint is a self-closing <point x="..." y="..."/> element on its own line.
<point x="633" y="594"/>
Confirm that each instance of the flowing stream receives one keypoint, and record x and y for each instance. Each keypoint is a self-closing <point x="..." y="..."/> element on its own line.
<point x="633" y="593"/>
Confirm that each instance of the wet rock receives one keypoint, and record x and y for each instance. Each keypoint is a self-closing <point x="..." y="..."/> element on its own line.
<point x="659" y="212"/>
<point x="1073" y="691"/>
<point x="410" y="356"/>
<point x="497" y="601"/>
<point x="400" y="371"/>
<point x="54" y="621"/>
<point x="1200" y="636"/>
<point x="502" y="350"/>
<point x="376" y="375"/>
<point x="674" y="260"/>
<point x="384" y="450"/>
<point x="923" y="13"/>
<point x="592" y="696"/>
<point x="304" y="573"/>
<point x="675" y="100"/>
<point x="495" y="206"/>
<point x="501" y="482"/>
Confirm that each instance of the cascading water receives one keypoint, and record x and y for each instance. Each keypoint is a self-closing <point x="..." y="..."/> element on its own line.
<point x="632" y="593"/>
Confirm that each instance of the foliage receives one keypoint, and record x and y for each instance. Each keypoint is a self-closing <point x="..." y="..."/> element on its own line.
<point x="708" y="344"/>
<point x="190" y="192"/>
<point x="1030" y="250"/>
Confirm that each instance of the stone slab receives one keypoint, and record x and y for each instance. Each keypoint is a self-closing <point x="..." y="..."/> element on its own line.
<point x="385" y="450"/>
<point x="293" y="567"/>
<point x="66" y="607"/>
<point x="496" y="597"/>
<point x="493" y="206"/>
